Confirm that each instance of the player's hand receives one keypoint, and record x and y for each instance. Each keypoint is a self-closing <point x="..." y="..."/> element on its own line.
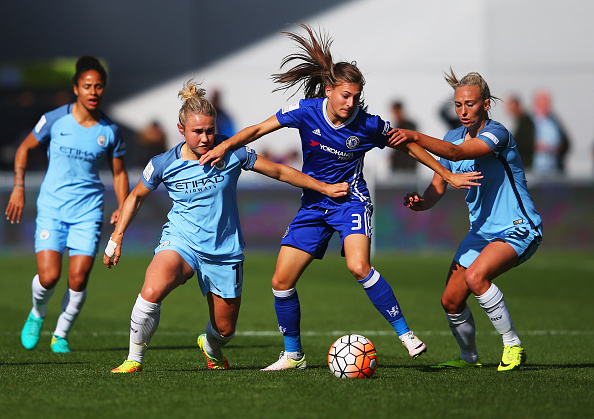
<point x="16" y="203"/>
<point x="464" y="180"/>
<point x="336" y="190"/>
<point x="112" y="254"/>
<point x="214" y="155"/>
<point x="397" y="136"/>
<point x="414" y="202"/>
<point x="115" y="216"/>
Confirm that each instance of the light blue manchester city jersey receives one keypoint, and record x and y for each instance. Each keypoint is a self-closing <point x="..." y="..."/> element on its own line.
<point x="332" y="153"/>
<point x="204" y="210"/>
<point x="502" y="200"/>
<point x="72" y="190"/>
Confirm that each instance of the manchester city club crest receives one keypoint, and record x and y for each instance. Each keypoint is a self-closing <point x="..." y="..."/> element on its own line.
<point x="44" y="235"/>
<point x="101" y="140"/>
<point x="220" y="165"/>
<point x="352" y="142"/>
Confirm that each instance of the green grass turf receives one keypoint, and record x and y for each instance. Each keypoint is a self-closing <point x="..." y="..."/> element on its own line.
<point x="549" y="298"/>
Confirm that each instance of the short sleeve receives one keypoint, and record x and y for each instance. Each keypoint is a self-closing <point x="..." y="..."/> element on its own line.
<point x="119" y="146"/>
<point x="42" y="130"/>
<point x="495" y="137"/>
<point x="290" y="115"/>
<point x="247" y="157"/>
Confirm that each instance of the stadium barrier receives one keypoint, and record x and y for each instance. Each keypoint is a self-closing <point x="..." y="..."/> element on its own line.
<point x="267" y="208"/>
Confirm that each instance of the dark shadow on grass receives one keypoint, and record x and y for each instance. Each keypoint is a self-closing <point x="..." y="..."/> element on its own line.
<point x="42" y="363"/>
<point x="151" y="348"/>
<point x="526" y="367"/>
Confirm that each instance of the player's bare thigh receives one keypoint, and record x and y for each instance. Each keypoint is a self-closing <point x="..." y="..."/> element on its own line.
<point x="290" y="264"/>
<point x="357" y="253"/>
<point x="166" y="272"/>
<point x="496" y="258"/>
<point x="49" y="267"/>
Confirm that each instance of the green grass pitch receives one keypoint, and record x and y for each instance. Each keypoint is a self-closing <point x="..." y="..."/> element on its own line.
<point x="550" y="299"/>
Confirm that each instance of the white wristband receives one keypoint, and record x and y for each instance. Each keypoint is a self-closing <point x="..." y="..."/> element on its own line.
<point x="111" y="245"/>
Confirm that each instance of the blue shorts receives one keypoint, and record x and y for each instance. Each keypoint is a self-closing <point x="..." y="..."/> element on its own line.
<point x="80" y="238"/>
<point x="524" y="239"/>
<point x="313" y="227"/>
<point x="222" y="277"/>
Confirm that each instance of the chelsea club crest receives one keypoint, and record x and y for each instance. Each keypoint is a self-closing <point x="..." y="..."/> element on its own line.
<point x="352" y="142"/>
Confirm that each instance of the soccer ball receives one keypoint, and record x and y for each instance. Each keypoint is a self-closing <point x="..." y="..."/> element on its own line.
<point x="352" y="356"/>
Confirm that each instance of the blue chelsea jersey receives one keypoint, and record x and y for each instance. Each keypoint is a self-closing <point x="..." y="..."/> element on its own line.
<point x="502" y="200"/>
<point x="72" y="190"/>
<point x="204" y="210"/>
<point x="333" y="153"/>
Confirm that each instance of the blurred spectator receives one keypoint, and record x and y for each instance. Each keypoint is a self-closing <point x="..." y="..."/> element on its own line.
<point x="290" y="158"/>
<point x="523" y="130"/>
<point x="551" y="142"/>
<point x="398" y="159"/>
<point x="447" y="113"/>
<point x="150" y="142"/>
<point x="224" y="123"/>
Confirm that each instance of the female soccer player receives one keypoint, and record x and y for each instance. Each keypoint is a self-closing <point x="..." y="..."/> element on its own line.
<point x="336" y="132"/>
<point x="203" y="233"/>
<point x="505" y="228"/>
<point x="79" y="137"/>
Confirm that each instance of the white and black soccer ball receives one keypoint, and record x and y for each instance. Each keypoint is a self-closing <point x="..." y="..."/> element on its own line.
<point x="352" y="356"/>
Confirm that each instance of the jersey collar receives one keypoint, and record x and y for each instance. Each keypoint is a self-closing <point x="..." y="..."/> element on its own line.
<point x="345" y="123"/>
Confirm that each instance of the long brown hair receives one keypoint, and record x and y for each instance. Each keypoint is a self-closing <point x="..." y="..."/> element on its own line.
<point x="315" y="68"/>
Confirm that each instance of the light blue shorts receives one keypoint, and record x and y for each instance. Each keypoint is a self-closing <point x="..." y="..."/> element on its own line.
<point x="222" y="277"/>
<point x="524" y="239"/>
<point x="79" y="238"/>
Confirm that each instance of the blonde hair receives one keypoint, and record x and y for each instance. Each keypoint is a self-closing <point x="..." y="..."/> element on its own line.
<point x="471" y="79"/>
<point x="315" y="68"/>
<point x="194" y="102"/>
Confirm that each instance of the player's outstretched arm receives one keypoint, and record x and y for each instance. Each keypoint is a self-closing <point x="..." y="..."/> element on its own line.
<point x="121" y="185"/>
<point x="243" y="137"/>
<point x="129" y="210"/>
<point x="299" y="179"/>
<point x="471" y="148"/>
<point x="434" y="192"/>
<point x="457" y="180"/>
<point x="16" y="202"/>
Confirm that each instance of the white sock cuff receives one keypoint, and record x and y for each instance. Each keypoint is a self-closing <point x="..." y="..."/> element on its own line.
<point x="147" y="306"/>
<point x="210" y="331"/>
<point x="491" y="297"/>
<point x="373" y="276"/>
<point x="459" y="318"/>
<point x="284" y="294"/>
<point x="77" y="297"/>
<point x="37" y="284"/>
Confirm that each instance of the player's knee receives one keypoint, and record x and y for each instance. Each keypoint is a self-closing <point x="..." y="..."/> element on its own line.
<point x="48" y="279"/>
<point x="281" y="283"/>
<point x="451" y="306"/>
<point x="151" y="294"/>
<point x="475" y="279"/>
<point x="359" y="269"/>
<point x="78" y="281"/>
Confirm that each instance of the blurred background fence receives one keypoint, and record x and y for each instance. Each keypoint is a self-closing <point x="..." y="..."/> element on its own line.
<point x="267" y="208"/>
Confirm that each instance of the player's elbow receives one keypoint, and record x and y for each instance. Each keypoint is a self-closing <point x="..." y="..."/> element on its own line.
<point x="456" y="154"/>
